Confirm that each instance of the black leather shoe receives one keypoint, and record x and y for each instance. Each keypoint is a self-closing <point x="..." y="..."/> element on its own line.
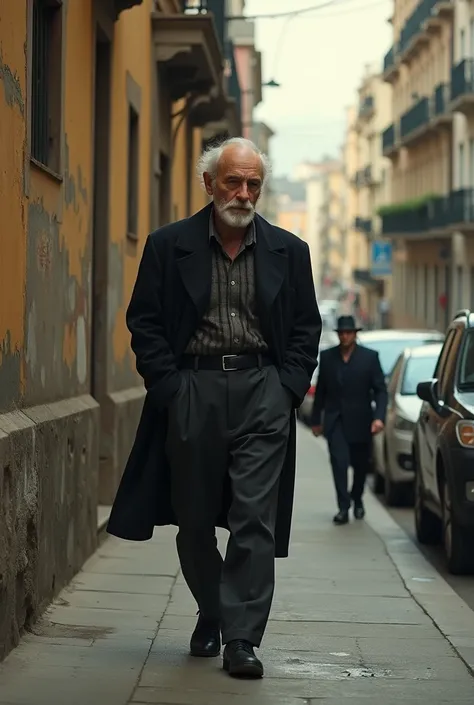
<point x="240" y="660"/>
<point x="341" y="517"/>
<point x="206" y="639"/>
<point x="359" y="511"/>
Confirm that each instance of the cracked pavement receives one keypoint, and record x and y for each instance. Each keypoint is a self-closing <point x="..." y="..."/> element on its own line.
<point x="357" y="615"/>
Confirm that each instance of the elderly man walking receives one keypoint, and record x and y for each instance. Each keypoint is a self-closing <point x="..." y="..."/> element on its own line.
<point x="225" y="328"/>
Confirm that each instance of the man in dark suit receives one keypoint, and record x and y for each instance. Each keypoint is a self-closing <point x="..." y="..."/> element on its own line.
<point x="225" y="329"/>
<point x="350" y="379"/>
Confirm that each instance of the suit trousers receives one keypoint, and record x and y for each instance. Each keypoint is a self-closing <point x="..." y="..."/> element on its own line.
<point x="227" y="437"/>
<point x="344" y="454"/>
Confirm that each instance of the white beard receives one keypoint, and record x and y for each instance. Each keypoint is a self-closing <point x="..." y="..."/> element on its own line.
<point x="233" y="218"/>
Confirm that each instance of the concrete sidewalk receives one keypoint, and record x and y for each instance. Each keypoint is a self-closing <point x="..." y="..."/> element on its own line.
<point x="358" y="614"/>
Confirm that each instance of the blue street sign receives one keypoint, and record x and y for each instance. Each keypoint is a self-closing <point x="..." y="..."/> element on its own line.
<point x="381" y="260"/>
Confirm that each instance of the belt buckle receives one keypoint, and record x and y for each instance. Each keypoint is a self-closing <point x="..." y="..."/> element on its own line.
<point x="224" y="363"/>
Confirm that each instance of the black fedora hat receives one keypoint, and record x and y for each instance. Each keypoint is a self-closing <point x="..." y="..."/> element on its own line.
<point x="347" y="323"/>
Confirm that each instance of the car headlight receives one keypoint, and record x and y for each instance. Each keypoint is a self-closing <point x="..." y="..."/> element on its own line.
<point x="403" y="424"/>
<point x="465" y="433"/>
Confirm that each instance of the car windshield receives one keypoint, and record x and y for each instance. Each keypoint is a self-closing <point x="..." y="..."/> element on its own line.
<point x="466" y="366"/>
<point x="417" y="370"/>
<point x="390" y="350"/>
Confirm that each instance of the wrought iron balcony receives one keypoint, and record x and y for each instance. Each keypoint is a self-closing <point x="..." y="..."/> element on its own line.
<point x="389" y="139"/>
<point x="389" y="59"/>
<point x="417" y="117"/>
<point x="442" y="96"/>
<point x="367" y="106"/>
<point x="204" y="7"/>
<point x="462" y="86"/>
<point x="438" y="213"/>
<point x="363" y="225"/>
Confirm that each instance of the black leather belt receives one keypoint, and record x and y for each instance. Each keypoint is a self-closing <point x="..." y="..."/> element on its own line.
<point x="226" y="363"/>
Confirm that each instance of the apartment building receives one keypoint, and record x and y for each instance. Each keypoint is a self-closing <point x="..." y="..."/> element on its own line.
<point x="103" y="107"/>
<point x="368" y="174"/>
<point x="431" y="217"/>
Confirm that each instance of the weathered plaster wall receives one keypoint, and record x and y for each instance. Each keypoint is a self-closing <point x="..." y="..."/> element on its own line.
<point x="49" y="435"/>
<point x="132" y="51"/>
<point x="12" y="202"/>
<point x="59" y="237"/>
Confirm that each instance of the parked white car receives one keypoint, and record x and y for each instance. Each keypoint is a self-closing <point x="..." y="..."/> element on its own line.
<point x="394" y="467"/>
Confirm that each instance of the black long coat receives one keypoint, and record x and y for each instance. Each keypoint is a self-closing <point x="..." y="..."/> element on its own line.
<point x="170" y="297"/>
<point x="350" y="400"/>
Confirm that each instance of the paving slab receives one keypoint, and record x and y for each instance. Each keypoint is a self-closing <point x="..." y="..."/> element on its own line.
<point x="358" y="616"/>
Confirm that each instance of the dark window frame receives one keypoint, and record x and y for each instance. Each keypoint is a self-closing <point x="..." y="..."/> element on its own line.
<point x="133" y="91"/>
<point x="46" y="84"/>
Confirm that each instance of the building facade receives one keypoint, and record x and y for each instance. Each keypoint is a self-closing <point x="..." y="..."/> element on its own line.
<point x="104" y="108"/>
<point x="369" y="185"/>
<point x="430" y="215"/>
<point x="267" y="205"/>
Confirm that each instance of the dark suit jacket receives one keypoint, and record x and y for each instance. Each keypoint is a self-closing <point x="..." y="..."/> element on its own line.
<point x="350" y="402"/>
<point x="170" y="297"/>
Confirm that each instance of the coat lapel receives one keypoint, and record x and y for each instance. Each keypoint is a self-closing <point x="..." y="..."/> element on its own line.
<point x="271" y="264"/>
<point x="194" y="258"/>
<point x="194" y="261"/>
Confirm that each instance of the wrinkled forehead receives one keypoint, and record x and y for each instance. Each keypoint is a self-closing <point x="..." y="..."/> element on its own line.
<point x="240" y="160"/>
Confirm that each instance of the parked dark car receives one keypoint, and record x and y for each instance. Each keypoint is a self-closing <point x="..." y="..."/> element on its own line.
<point x="444" y="449"/>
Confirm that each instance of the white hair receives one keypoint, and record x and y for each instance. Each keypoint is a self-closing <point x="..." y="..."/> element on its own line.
<point x="209" y="159"/>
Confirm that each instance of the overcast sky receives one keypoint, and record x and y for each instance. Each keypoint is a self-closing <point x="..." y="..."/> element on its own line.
<point x="319" y="59"/>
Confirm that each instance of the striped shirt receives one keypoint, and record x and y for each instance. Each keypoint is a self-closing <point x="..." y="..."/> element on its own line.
<point x="231" y="324"/>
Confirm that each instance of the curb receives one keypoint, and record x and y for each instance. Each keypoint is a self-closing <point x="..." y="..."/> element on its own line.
<point x="448" y="612"/>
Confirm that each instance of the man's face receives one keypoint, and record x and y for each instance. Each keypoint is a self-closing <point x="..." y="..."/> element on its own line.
<point x="347" y="338"/>
<point x="237" y="186"/>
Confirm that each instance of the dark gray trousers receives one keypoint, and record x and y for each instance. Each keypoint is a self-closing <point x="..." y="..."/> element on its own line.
<point x="344" y="454"/>
<point x="229" y="428"/>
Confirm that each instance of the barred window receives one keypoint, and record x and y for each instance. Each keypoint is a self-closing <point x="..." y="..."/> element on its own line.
<point x="46" y="62"/>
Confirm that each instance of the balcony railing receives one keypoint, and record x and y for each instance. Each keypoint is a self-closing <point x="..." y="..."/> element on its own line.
<point x="363" y="225"/>
<point x="368" y="174"/>
<point x="436" y="213"/>
<point x="366" y="106"/>
<point x="462" y="78"/>
<point x="415" y="118"/>
<point x="389" y="59"/>
<point x="441" y="99"/>
<point x="202" y="7"/>
<point x="388" y="138"/>
<point x="415" y="25"/>
<point x="233" y="85"/>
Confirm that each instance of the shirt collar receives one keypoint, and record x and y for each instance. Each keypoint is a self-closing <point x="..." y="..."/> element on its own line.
<point x="249" y="239"/>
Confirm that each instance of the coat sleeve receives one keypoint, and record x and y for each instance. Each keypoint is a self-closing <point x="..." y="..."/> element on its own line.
<point x="301" y="357"/>
<point x="319" y="396"/>
<point x="379" y="389"/>
<point x="155" y="360"/>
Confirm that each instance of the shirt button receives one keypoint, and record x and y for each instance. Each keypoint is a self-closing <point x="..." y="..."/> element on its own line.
<point x="232" y="283"/>
<point x="236" y="340"/>
<point x="233" y="314"/>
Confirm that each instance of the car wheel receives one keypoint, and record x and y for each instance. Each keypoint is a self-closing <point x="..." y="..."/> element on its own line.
<point x="458" y="541"/>
<point x="428" y="526"/>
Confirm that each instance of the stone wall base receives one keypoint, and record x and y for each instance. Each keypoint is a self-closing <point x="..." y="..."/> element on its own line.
<point x="49" y="469"/>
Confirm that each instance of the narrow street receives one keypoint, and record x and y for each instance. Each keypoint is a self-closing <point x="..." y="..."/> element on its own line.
<point x="358" y="614"/>
<point x="461" y="584"/>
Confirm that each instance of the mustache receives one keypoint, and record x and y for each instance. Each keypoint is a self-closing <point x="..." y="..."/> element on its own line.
<point x="238" y="204"/>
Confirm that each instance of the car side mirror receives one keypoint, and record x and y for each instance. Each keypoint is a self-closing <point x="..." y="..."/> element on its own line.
<point x="428" y="391"/>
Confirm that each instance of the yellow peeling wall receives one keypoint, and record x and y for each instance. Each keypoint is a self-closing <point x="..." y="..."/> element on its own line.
<point x="46" y="266"/>
<point x="132" y="50"/>
<point x="12" y="203"/>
